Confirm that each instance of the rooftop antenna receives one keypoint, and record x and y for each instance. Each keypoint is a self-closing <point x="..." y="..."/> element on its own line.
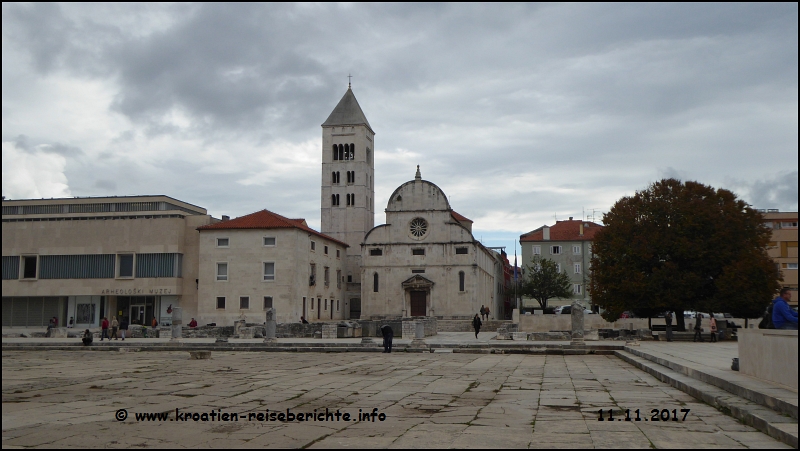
<point x="349" y="77"/>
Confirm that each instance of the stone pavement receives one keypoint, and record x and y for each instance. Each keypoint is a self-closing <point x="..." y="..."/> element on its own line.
<point x="69" y="399"/>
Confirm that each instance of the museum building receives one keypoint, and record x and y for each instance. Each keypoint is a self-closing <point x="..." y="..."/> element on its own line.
<point x="85" y="258"/>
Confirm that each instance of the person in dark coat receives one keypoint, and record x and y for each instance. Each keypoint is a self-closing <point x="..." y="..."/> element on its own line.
<point x="123" y="327"/>
<point x="697" y="327"/>
<point x="668" y="320"/>
<point x="476" y="324"/>
<point x="388" y="335"/>
<point x="87" y="338"/>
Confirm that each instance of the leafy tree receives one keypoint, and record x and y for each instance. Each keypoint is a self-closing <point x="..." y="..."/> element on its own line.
<point x="682" y="246"/>
<point x="543" y="281"/>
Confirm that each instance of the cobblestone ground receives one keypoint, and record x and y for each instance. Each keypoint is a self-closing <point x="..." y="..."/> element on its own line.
<point x="69" y="399"/>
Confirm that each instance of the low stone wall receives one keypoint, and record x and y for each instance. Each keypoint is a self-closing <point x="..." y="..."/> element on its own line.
<point x="769" y="354"/>
<point x="465" y="325"/>
<point x="558" y="323"/>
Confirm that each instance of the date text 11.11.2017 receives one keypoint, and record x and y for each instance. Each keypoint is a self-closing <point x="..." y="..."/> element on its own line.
<point x="655" y="415"/>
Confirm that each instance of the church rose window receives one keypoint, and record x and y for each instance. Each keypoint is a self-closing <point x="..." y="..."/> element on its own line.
<point x="419" y="227"/>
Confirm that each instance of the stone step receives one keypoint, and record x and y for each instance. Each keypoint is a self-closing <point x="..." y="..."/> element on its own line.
<point x="779" y="426"/>
<point x="768" y="395"/>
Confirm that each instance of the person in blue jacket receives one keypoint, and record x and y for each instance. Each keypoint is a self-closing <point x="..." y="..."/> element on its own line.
<point x="783" y="317"/>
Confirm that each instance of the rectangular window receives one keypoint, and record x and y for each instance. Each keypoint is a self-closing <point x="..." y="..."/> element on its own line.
<point x="577" y="268"/>
<point x="791" y="266"/>
<point x="576" y="289"/>
<point x="349" y="278"/>
<point x="576" y="250"/>
<point x="326" y="250"/>
<point x="417" y="251"/>
<point x="461" y="277"/>
<point x="269" y="241"/>
<point x="269" y="271"/>
<point x="789" y="225"/>
<point x="29" y="267"/>
<point x="338" y="278"/>
<point x="222" y="271"/>
<point x="337" y="253"/>
<point x="268" y="302"/>
<point x="244" y="302"/>
<point x="558" y="267"/>
<point x="537" y="250"/>
<point x="313" y="246"/>
<point x="327" y="276"/>
<point x="221" y="302"/>
<point x="417" y="271"/>
<point x="462" y="250"/>
<point x="326" y="305"/>
<point x="223" y="242"/>
<point x="376" y="252"/>
<point x="125" y="265"/>
<point x="11" y="267"/>
<point x="555" y="250"/>
<point x="312" y="278"/>
<point x="337" y="305"/>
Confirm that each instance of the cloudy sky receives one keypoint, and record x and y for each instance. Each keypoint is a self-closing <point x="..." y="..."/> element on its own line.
<point x="520" y="113"/>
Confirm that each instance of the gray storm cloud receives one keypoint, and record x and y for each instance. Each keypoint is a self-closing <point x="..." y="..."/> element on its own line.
<point x="520" y="112"/>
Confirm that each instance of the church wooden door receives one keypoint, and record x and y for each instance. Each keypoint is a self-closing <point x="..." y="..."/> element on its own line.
<point x="417" y="303"/>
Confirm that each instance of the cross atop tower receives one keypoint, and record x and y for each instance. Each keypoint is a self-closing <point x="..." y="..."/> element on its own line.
<point x="348" y="80"/>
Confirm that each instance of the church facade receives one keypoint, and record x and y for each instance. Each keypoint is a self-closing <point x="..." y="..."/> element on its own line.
<point x="425" y="261"/>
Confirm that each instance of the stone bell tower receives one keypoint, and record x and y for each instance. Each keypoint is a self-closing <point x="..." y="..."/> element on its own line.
<point x="348" y="185"/>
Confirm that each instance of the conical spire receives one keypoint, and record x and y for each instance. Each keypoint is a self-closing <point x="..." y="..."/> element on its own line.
<point x="347" y="112"/>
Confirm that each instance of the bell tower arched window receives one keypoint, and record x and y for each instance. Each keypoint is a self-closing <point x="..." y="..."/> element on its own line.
<point x="335" y="153"/>
<point x="352" y="151"/>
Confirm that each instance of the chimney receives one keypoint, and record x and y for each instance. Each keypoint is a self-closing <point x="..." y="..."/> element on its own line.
<point x="226" y="218"/>
<point x="546" y="233"/>
<point x="581" y="232"/>
<point x="570" y="218"/>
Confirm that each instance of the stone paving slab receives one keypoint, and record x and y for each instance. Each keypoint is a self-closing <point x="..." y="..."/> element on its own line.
<point x="430" y="400"/>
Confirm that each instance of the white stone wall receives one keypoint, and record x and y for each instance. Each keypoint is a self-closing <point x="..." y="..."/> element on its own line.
<point x="292" y="256"/>
<point x="769" y="354"/>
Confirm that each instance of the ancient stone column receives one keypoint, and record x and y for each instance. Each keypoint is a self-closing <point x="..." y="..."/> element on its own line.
<point x="577" y="324"/>
<point x="271" y="327"/>
<point x="177" y="324"/>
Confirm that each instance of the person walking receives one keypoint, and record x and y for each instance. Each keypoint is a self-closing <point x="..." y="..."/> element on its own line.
<point x="482" y="311"/>
<point x="668" y="320"/>
<point x="783" y="317"/>
<point x="388" y="335"/>
<point x="114" y="328"/>
<point x="104" y="327"/>
<point x="698" y="330"/>
<point x="486" y="312"/>
<point x="713" y="327"/>
<point x="123" y="327"/>
<point x="50" y="326"/>
<point x="476" y="324"/>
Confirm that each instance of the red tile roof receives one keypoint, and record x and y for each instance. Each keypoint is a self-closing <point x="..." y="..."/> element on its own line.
<point x="266" y="219"/>
<point x="565" y="231"/>
<point x="459" y="218"/>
